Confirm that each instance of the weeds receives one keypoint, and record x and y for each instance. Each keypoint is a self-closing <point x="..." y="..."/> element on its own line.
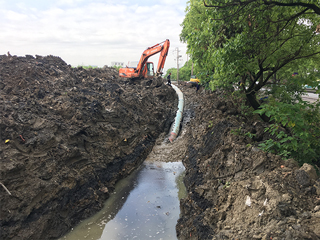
<point x="236" y="131"/>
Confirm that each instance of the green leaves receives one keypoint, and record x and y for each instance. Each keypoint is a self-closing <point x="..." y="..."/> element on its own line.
<point x="257" y="46"/>
<point x="184" y="72"/>
<point x="295" y="131"/>
<point x="251" y="41"/>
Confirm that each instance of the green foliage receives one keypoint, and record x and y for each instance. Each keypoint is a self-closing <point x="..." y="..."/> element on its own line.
<point x="184" y="72"/>
<point x="117" y="67"/>
<point x="250" y="135"/>
<point x="254" y="47"/>
<point x="236" y="131"/>
<point x="173" y="72"/>
<point x="295" y="130"/>
<point x="87" y="67"/>
<point x="252" y="42"/>
<point x="227" y="185"/>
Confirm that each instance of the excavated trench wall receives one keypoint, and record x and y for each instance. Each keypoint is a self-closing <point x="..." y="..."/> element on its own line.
<point x="67" y="136"/>
<point x="234" y="189"/>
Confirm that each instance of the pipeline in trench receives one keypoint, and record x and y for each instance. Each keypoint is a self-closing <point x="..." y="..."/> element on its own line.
<point x="176" y="126"/>
<point x="144" y="205"/>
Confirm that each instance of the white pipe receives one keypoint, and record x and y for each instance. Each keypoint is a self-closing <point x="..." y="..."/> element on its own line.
<point x="177" y="121"/>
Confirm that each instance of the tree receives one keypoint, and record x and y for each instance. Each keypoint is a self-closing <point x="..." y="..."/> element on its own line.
<point x="253" y="42"/>
<point x="116" y="67"/>
<point x="184" y="72"/>
<point x="261" y="45"/>
<point x="173" y="72"/>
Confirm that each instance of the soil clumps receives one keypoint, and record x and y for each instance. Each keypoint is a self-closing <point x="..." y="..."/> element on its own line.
<point x="67" y="135"/>
<point x="236" y="191"/>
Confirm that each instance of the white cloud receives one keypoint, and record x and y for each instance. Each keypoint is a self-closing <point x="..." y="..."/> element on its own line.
<point x="92" y="32"/>
<point x="14" y="16"/>
<point x="68" y="2"/>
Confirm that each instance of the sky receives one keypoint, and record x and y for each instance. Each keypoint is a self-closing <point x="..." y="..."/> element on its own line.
<point x="92" y="32"/>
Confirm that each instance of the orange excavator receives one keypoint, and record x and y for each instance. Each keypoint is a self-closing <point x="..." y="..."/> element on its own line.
<point x="144" y="69"/>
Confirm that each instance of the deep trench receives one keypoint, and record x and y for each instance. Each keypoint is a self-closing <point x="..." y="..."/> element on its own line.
<point x="146" y="203"/>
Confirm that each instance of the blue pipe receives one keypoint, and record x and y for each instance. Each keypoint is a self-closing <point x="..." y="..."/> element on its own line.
<point x="176" y="126"/>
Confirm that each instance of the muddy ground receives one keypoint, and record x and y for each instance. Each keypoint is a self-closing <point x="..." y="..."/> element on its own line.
<point x="68" y="134"/>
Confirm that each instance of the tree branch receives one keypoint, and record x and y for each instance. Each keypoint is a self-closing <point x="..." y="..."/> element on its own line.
<point x="239" y="3"/>
<point x="314" y="7"/>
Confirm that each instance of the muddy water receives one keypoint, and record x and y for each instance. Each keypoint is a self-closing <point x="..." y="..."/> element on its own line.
<point x="144" y="206"/>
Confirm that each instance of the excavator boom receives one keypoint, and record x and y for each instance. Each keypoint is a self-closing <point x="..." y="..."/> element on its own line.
<point x="143" y="69"/>
<point x="163" y="57"/>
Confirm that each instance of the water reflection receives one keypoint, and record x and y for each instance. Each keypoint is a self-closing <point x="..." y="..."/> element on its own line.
<point x="145" y="206"/>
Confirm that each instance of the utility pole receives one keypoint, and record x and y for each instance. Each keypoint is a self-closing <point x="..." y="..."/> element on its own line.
<point x="178" y="59"/>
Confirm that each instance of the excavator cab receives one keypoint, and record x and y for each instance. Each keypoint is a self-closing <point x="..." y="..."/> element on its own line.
<point x="150" y="72"/>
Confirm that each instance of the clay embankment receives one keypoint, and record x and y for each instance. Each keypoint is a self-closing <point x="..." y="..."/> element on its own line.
<point x="67" y="135"/>
<point x="236" y="191"/>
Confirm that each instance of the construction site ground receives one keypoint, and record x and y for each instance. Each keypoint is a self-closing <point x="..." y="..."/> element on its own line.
<point x="69" y="134"/>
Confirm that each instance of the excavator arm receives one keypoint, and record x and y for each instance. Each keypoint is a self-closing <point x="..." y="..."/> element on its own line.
<point x="162" y="58"/>
<point x="138" y="72"/>
<point x="162" y="47"/>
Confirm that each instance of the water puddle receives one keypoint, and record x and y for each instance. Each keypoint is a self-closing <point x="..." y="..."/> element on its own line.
<point x="144" y="206"/>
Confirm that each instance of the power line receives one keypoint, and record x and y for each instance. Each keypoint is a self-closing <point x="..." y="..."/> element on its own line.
<point x="178" y="59"/>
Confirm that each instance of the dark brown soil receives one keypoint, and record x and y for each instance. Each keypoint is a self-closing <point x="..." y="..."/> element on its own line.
<point x="67" y="135"/>
<point x="236" y="191"/>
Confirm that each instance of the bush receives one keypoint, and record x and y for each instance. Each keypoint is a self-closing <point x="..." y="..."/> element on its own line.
<point x="295" y="128"/>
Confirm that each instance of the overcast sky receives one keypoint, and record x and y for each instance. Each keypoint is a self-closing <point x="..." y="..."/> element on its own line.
<point x="91" y="32"/>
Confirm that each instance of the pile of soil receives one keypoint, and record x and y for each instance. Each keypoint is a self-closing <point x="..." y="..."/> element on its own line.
<point x="235" y="190"/>
<point x="67" y="136"/>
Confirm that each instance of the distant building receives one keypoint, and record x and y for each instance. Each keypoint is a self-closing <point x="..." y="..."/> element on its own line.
<point x="121" y="64"/>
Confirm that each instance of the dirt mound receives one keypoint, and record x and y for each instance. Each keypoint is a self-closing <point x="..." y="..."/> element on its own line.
<point x="236" y="191"/>
<point x="67" y="135"/>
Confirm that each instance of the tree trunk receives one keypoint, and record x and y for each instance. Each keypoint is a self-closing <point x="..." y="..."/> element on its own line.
<point x="255" y="104"/>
